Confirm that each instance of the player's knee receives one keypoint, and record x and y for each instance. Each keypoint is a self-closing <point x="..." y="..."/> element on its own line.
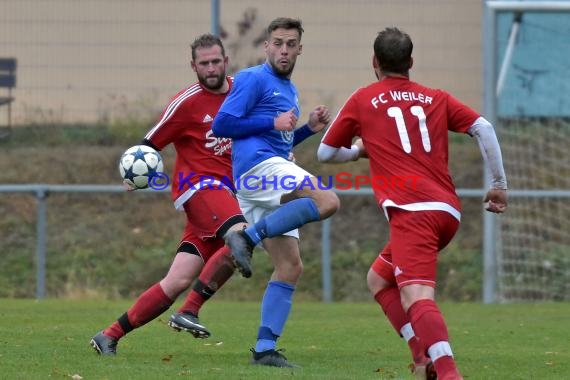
<point x="289" y="271"/>
<point x="295" y="270"/>
<point x="328" y="203"/>
<point x="173" y="286"/>
<point x="410" y="294"/>
<point x="407" y="302"/>
<point x="375" y="282"/>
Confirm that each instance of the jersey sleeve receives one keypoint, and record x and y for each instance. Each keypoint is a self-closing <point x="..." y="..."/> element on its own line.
<point x="226" y="125"/>
<point x="460" y="116"/>
<point x="243" y="96"/>
<point x="345" y="125"/>
<point x="168" y="127"/>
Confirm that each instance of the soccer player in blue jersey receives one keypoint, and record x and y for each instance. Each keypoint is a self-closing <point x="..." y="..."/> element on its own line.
<point x="276" y="196"/>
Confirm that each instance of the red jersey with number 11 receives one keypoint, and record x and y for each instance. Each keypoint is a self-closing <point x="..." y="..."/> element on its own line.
<point x="404" y="128"/>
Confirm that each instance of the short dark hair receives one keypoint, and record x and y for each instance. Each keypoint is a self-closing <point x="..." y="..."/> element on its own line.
<point x="205" y="41"/>
<point x="393" y="50"/>
<point x="285" y="23"/>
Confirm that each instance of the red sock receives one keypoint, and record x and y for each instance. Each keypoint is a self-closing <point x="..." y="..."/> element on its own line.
<point x="147" y="307"/>
<point x="446" y="369"/>
<point x="218" y="269"/>
<point x="430" y="328"/>
<point x="391" y="303"/>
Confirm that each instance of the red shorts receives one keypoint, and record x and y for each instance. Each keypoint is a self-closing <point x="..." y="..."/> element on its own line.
<point x="209" y="214"/>
<point x="416" y="237"/>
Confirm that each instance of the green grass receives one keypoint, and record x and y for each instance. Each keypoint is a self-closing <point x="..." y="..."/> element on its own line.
<point x="49" y="339"/>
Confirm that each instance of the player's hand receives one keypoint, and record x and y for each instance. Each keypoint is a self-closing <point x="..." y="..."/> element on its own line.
<point x="292" y="157"/>
<point x="128" y="186"/>
<point x="319" y="118"/>
<point x="362" y="153"/>
<point x="496" y="201"/>
<point x="285" y="121"/>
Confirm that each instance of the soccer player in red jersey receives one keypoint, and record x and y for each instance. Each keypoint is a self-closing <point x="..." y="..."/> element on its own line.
<point x="202" y="187"/>
<point x="402" y="127"/>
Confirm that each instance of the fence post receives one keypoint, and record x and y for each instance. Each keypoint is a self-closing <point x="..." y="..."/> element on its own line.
<point x="41" y="195"/>
<point x="215" y="4"/>
<point x="489" y="108"/>
<point x="326" y="260"/>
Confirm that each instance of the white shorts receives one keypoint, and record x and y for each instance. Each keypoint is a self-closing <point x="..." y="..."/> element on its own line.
<point x="259" y="191"/>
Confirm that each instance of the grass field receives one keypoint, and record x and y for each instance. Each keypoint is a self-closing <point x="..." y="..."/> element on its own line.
<point x="49" y="340"/>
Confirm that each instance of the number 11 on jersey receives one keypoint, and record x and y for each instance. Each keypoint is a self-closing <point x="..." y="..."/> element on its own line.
<point x="417" y="111"/>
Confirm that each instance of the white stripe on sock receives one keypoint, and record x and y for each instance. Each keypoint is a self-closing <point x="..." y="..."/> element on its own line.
<point x="407" y="332"/>
<point x="439" y="349"/>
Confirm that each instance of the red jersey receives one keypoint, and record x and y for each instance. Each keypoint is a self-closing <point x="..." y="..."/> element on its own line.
<point x="200" y="156"/>
<point x="404" y="127"/>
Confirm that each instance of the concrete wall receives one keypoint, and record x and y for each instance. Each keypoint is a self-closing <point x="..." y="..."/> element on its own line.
<point x="93" y="60"/>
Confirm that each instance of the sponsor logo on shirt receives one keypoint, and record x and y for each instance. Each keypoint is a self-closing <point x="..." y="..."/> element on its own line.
<point x="287" y="136"/>
<point x="219" y="145"/>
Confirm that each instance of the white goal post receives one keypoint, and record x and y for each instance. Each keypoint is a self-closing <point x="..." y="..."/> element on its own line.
<point x="526" y="52"/>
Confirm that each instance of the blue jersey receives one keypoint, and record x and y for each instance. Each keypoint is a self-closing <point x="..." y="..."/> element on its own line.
<point x="259" y="93"/>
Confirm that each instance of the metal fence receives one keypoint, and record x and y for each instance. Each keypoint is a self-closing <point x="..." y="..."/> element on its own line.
<point x="41" y="192"/>
<point x="518" y="38"/>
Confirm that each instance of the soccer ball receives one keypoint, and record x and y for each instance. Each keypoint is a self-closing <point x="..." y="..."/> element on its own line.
<point x="138" y="164"/>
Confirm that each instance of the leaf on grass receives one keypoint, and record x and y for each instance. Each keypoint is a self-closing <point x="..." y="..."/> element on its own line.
<point x="386" y="373"/>
<point x="219" y="343"/>
<point x="167" y="359"/>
